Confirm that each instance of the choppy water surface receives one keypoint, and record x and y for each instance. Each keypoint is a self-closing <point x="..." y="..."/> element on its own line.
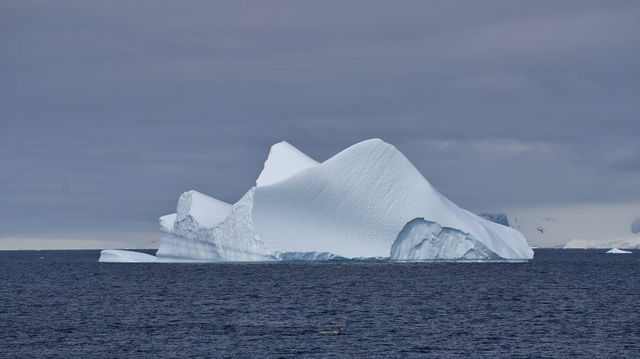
<point x="564" y="303"/>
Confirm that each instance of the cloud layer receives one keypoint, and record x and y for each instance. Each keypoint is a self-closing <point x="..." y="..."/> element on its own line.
<point x="108" y="111"/>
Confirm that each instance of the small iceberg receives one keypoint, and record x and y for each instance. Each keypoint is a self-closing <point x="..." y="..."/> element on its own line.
<point x="120" y="256"/>
<point x="617" y="251"/>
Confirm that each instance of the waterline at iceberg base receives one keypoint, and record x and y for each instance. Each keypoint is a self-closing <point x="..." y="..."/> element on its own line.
<point x="366" y="202"/>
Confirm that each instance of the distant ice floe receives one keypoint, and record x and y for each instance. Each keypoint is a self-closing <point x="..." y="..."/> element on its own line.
<point x="368" y="201"/>
<point x="122" y="256"/>
<point x="617" y="251"/>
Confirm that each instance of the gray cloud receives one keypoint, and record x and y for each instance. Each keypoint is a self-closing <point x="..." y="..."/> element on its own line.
<point x="108" y="111"/>
<point x="635" y="226"/>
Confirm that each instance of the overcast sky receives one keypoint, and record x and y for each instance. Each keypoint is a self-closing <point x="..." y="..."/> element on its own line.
<point x="110" y="110"/>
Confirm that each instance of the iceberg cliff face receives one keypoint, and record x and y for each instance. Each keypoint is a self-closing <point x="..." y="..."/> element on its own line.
<point x="366" y="201"/>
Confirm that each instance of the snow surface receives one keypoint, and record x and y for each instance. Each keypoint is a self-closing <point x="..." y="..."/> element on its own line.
<point x="353" y="205"/>
<point x="617" y="251"/>
<point x="121" y="256"/>
<point x="283" y="161"/>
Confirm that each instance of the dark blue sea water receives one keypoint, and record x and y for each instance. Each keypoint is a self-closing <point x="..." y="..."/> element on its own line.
<point x="564" y="303"/>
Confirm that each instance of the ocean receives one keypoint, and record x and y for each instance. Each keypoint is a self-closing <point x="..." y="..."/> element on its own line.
<point x="563" y="303"/>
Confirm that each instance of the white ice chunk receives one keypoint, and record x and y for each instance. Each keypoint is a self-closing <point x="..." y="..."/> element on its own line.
<point x="121" y="256"/>
<point x="232" y="240"/>
<point x="206" y="211"/>
<point x="617" y="251"/>
<point x="308" y="256"/>
<point x="426" y="240"/>
<point x="283" y="162"/>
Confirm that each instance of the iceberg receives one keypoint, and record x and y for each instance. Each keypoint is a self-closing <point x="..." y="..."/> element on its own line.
<point x="617" y="251"/>
<point x="368" y="201"/>
<point x="122" y="256"/>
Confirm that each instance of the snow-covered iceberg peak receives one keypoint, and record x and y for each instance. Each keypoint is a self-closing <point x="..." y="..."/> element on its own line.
<point x="283" y="161"/>
<point x="368" y="201"/>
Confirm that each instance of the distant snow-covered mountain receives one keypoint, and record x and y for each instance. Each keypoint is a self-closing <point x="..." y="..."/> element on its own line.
<point x="590" y="225"/>
<point x="627" y="242"/>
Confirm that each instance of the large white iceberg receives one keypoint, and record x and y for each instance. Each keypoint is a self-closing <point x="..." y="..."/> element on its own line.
<point x="368" y="201"/>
